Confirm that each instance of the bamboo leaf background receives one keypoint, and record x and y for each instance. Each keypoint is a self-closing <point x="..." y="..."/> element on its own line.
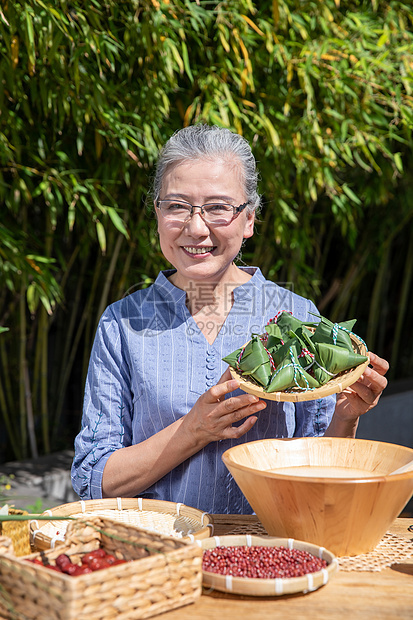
<point x="88" y="94"/>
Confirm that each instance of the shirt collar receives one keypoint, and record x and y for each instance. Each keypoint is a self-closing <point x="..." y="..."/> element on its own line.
<point x="247" y="290"/>
<point x="170" y="292"/>
<point x="166" y="289"/>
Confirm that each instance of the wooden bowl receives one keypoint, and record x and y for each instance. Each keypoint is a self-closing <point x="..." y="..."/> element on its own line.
<point x="268" y="587"/>
<point x="337" y="384"/>
<point x="337" y="493"/>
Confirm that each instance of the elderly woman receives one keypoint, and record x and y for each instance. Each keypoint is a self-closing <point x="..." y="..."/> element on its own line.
<point x="160" y="406"/>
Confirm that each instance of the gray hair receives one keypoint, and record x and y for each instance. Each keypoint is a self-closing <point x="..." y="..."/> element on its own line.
<point x="206" y="141"/>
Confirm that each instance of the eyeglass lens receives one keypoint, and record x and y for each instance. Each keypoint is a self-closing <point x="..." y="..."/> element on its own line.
<point x="213" y="213"/>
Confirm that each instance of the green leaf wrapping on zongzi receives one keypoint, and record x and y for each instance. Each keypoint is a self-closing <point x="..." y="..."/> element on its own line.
<point x="331" y="359"/>
<point x="291" y="374"/>
<point x="295" y="356"/>
<point x="334" y="333"/>
<point x="303" y="351"/>
<point x="281" y="351"/>
<point x="274" y="336"/>
<point x="232" y="358"/>
<point x="254" y="361"/>
<point x="287" y="322"/>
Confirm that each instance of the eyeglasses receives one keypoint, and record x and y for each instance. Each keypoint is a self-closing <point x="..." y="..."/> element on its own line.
<point x="214" y="214"/>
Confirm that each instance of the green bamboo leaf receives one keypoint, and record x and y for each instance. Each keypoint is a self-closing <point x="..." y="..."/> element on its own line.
<point x="30" y="38"/>
<point x="101" y="234"/>
<point x="312" y="190"/>
<point x="349" y="192"/>
<point x="32" y="298"/>
<point x="288" y="211"/>
<point x="185" y="57"/>
<point x="231" y="103"/>
<point x="71" y="216"/>
<point x="398" y="161"/>
<point x="117" y="221"/>
<point x="176" y="55"/>
<point x="44" y="300"/>
<point x="36" y="258"/>
<point x="361" y="162"/>
<point x="274" y="135"/>
<point x="96" y="200"/>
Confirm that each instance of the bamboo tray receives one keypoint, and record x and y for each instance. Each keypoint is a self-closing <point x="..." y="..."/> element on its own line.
<point x="168" y="518"/>
<point x="336" y="385"/>
<point x="161" y="573"/>
<point x="268" y="587"/>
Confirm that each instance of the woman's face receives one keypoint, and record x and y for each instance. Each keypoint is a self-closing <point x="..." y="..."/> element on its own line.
<point x="199" y="182"/>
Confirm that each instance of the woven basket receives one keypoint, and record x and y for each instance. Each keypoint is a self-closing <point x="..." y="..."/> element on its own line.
<point x="336" y="385"/>
<point x="163" y="517"/>
<point x="163" y="573"/>
<point x="268" y="587"/>
<point x="18" y="532"/>
<point x="6" y="546"/>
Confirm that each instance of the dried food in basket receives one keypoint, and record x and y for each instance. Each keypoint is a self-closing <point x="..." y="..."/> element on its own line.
<point x="294" y="354"/>
<point x="99" y="559"/>
<point x="161" y="573"/>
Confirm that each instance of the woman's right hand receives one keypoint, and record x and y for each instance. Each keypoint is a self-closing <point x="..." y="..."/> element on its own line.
<point x="212" y="417"/>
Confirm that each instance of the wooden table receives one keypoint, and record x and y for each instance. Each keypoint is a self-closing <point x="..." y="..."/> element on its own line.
<point x="387" y="594"/>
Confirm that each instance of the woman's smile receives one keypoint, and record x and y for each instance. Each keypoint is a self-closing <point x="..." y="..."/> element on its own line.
<point x="198" y="251"/>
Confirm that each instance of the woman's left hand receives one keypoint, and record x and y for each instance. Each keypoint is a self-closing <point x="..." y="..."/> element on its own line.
<point x="365" y="393"/>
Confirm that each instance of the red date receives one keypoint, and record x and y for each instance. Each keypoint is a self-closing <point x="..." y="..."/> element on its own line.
<point x="90" y="562"/>
<point x="98" y="553"/>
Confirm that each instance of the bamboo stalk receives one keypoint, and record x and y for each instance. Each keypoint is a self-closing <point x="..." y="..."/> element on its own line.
<point x="377" y="295"/>
<point x="22" y="361"/>
<point x="37" y="362"/>
<point x="29" y="411"/>
<point x="65" y="365"/>
<point x="40" y="375"/>
<point x="44" y="337"/>
<point x="354" y="273"/>
<point x="68" y="369"/>
<point x="403" y="303"/>
<point x="109" y="276"/>
<point x="44" y="401"/>
<point x="6" y="374"/>
<point x="125" y="270"/>
<point x="88" y="327"/>
<point x="7" y="422"/>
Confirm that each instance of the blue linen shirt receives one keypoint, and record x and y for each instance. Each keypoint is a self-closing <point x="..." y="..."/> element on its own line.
<point x="150" y="363"/>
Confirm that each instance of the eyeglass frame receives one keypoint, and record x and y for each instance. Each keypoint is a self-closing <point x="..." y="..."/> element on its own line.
<point x="235" y="212"/>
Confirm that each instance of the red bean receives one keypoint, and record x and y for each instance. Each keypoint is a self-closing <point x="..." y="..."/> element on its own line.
<point x="261" y="562"/>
